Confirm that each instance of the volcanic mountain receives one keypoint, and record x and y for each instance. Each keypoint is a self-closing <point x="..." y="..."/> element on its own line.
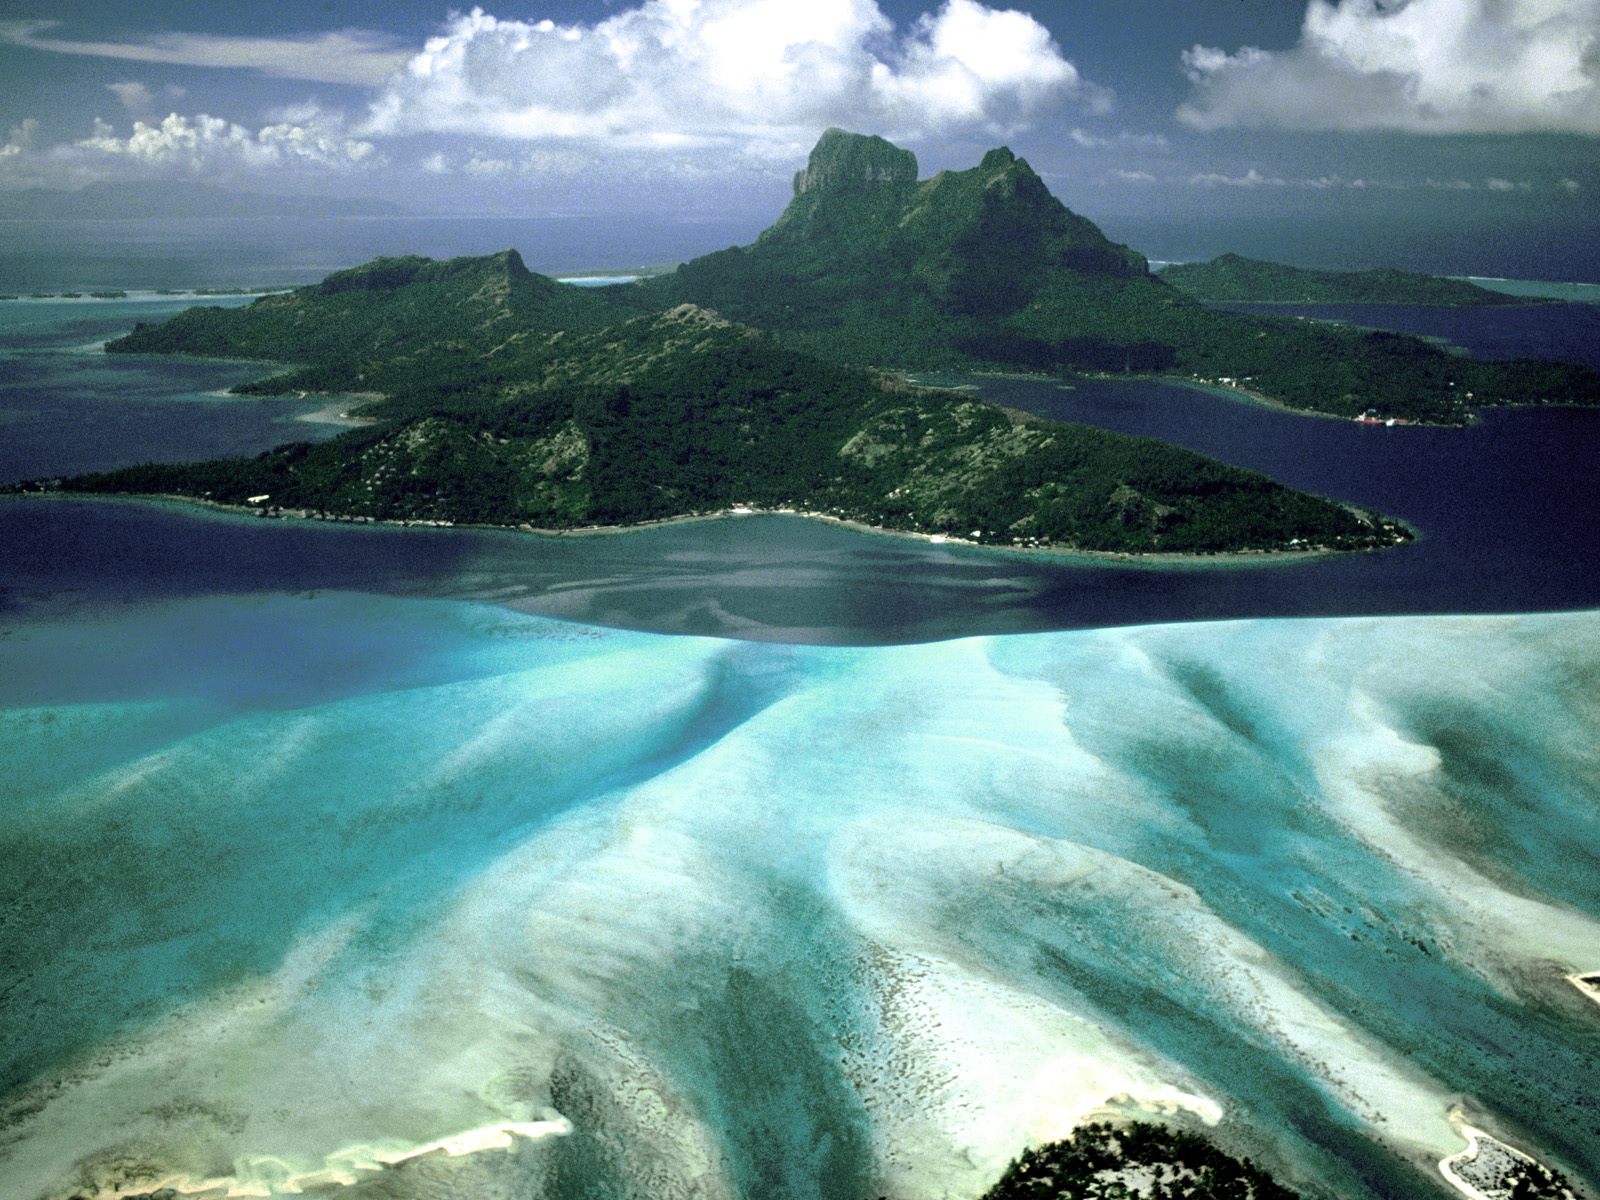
<point x="869" y="265"/>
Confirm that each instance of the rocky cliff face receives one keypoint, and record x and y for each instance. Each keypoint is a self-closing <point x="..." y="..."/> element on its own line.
<point x="977" y="241"/>
<point x="846" y="161"/>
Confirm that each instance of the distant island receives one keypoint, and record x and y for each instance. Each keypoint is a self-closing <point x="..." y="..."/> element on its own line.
<point x="1232" y="278"/>
<point x="122" y="294"/>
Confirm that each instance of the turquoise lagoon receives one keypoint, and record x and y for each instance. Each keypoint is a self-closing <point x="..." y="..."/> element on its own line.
<point x="299" y="886"/>
<point x="322" y="877"/>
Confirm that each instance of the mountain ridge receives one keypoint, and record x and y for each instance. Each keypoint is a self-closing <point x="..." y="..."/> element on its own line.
<point x="979" y="269"/>
<point x="865" y="244"/>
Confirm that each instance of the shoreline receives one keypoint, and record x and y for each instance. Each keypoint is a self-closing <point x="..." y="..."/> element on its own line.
<point x="1225" y="391"/>
<point x="1495" y="1165"/>
<point x="1153" y="560"/>
<point x="1262" y="400"/>
<point x="336" y="412"/>
<point x="348" y="1166"/>
<point x="1587" y="982"/>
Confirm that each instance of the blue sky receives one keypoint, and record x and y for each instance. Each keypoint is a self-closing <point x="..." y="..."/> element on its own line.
<point x="1478" y="114"/>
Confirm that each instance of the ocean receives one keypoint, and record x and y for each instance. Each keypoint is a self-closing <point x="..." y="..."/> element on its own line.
<point x="249" y="252"/>
<point x="763" y="858"/>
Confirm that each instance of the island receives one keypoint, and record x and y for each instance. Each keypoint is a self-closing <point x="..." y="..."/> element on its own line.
<point x="1134" y="1161"/>
<point x="982" y="269"/>
<point x="773" y="377"/>
<point x="552" y="426"/>
<point x="1234" y="279"/>
<point x="1139" y="1160"/>
<point x="1490" y="1169"/>
<point x="985" y="269"/>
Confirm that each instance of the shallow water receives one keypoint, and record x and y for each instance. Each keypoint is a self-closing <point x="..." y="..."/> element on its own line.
<point x="298" y="882"/>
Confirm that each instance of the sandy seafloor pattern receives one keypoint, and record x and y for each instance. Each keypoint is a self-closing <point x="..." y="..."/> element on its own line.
<point x="295" y="887"/>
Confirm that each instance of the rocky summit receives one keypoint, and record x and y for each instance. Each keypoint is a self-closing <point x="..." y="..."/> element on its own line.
<point x="843" y="160"/>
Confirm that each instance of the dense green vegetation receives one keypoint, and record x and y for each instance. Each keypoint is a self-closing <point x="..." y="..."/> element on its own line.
<point x="1529" y="1180"/>
<point x="1233" y="278"/>
<point x="1133" y="1162"/>
<point x="869" y="265"/>
<point x="684" y="412"/>
<point x="393" y="325"/>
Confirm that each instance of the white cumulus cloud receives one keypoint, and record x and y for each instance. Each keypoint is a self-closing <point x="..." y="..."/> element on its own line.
<point x="1419" y="66"/>
<point x="137" y="97"/>
<point x="20" y="139"/>
<point x="1250" y="179"/>
<point x="678" y="74"/>
<point x="134" y="96"/>
<point x="203" y="144"/>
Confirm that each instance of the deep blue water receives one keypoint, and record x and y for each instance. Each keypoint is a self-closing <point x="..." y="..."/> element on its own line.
<point x="66" y="407"/>
<point x="1483" y="237"/>
<point x="1506" y="510"/>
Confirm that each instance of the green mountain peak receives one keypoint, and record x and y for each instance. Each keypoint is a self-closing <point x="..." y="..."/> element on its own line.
<point x="866" y="265"/>
<point x="875" y="265"/>
<point x="843" y="161"/>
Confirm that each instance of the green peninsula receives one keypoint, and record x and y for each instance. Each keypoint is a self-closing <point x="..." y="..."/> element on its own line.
<point x="1234" y="279"/>
<point x="684" y="412"/>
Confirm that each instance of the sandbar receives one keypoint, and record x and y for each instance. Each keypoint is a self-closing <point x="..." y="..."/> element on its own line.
<point x="1587" y="982"/>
